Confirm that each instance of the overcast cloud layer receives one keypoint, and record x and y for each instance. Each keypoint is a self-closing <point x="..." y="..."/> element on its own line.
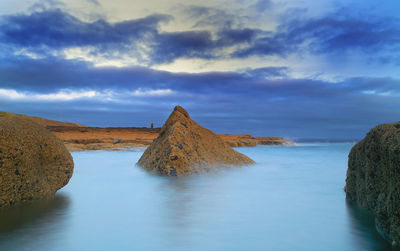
<point x="262" y="67"/>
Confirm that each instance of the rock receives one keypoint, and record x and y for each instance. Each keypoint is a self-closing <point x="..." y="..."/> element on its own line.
<point x="34" y="163"/>
<point x="241" y="140"/>
<point x="373" y="177"/>
<point x="184" y="147"/>
<point x="42" y="121"/>
<point x="273" y="141"/>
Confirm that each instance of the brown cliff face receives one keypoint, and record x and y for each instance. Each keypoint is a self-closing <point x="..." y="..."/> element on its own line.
<point x="373" y="177"/>
<point x="34" y="163"/>
<point x="184" y="147"/>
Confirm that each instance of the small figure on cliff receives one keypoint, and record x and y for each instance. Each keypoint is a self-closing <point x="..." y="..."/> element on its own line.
<point x="152" y="125"/>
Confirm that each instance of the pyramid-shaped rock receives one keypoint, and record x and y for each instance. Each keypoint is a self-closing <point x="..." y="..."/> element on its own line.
<point x="184" y="147"/>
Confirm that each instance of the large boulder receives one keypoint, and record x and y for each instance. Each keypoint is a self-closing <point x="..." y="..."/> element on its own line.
<point x="184" y="147"/>
<point x="373" y="177"/>
<point x="34" y="163"/>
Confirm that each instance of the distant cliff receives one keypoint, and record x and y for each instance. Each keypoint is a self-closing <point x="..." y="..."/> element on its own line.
<point x="373" y="178"/>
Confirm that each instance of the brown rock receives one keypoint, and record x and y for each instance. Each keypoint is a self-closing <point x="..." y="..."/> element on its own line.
<point x="241" y="140"/>
<point x="34" y="163"/>
<point x="373" y="177"/>
<point x="184" y="147"/>
<point x="42" y="121"/>
<point x="273" y="141"/>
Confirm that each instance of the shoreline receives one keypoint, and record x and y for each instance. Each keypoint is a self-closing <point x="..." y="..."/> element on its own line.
<point x="123" y="138"/>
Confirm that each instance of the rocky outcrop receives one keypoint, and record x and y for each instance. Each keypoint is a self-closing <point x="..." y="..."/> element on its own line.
<point x="184" y="147"/>
<point x="42" y="121"/>
<point x="34" y="163"/>
<point x="248" y="140"/>
<point x="373" y="177"/>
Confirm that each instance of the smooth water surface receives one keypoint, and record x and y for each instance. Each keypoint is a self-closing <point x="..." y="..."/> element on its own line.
<point x="292" y="199"/>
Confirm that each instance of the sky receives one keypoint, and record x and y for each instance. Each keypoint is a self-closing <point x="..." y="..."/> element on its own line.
<point x="301" y="69"/>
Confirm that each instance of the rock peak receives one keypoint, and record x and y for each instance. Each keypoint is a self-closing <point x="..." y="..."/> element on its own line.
<point x="181" y="110"/>
<point x="184" y="147"/>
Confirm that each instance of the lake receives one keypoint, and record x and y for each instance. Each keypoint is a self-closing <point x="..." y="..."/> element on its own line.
<point x="292" y="199"/>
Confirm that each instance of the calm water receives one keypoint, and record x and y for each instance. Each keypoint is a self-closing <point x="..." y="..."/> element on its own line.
<point x="292" y="199"/>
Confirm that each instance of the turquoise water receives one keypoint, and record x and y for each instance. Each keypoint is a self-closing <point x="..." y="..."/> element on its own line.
<point x="292" y="199"/>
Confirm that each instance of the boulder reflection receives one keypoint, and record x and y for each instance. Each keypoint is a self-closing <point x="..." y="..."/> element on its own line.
<point x="31" y="222"/>
<point x="363" y="231"/>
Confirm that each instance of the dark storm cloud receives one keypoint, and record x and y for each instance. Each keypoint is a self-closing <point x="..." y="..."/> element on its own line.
<point x="52" y="73"/>
<point x="57" y="29"/>
<point x="339" y="32"/>
<point x="54" y="29"/>
<point x="197" y="44"/>
<point x="236" y="36"/>
<point x="191" y="44"/>
<point x="330" y="34"/>
<point x="269" y="45"/>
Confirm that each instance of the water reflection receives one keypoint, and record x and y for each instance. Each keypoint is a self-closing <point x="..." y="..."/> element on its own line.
<point x="362" y="223"/>
<point x="179" y="200"/>
<point x="31" y="223"/>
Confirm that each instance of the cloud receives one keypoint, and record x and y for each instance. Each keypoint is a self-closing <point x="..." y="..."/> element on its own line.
<point x="216" y="34"/>
<point x="157" y="92"/>
<point x="262" y="5"/>
<point x="265" y="101"/>
<point x="103" y="95"/>
<point x="65" y="95"/>
<point x="53" y="30"/>
<point x="191" y="44"/>
<point x="268" y="72"/>
<point x="46" y="4"/>
<point x="13" y="94"/>
<point x="210" y="17"/>
<point x="199" y="44"/>
<point x="265" y="46"/>
<point x="95" y="2"/>
<point x="343" y="31"/>
<point x="56" y="29"/>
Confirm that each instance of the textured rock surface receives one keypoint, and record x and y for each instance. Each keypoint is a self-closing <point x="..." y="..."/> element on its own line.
<point x="248" y="140"/>
<point x="33" y="163"/>
<point x="41" y="121"/>
<point x="373" y="177"/>
<point x="184" y="147"/>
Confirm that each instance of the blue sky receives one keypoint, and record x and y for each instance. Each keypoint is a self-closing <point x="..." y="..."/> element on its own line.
<point x="298" y="69"/>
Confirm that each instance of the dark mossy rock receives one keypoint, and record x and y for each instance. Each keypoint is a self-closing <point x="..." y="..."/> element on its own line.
<point x="373" y="177"/>
<point x="34" y="164"/>
<point x="184" y="147"/>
